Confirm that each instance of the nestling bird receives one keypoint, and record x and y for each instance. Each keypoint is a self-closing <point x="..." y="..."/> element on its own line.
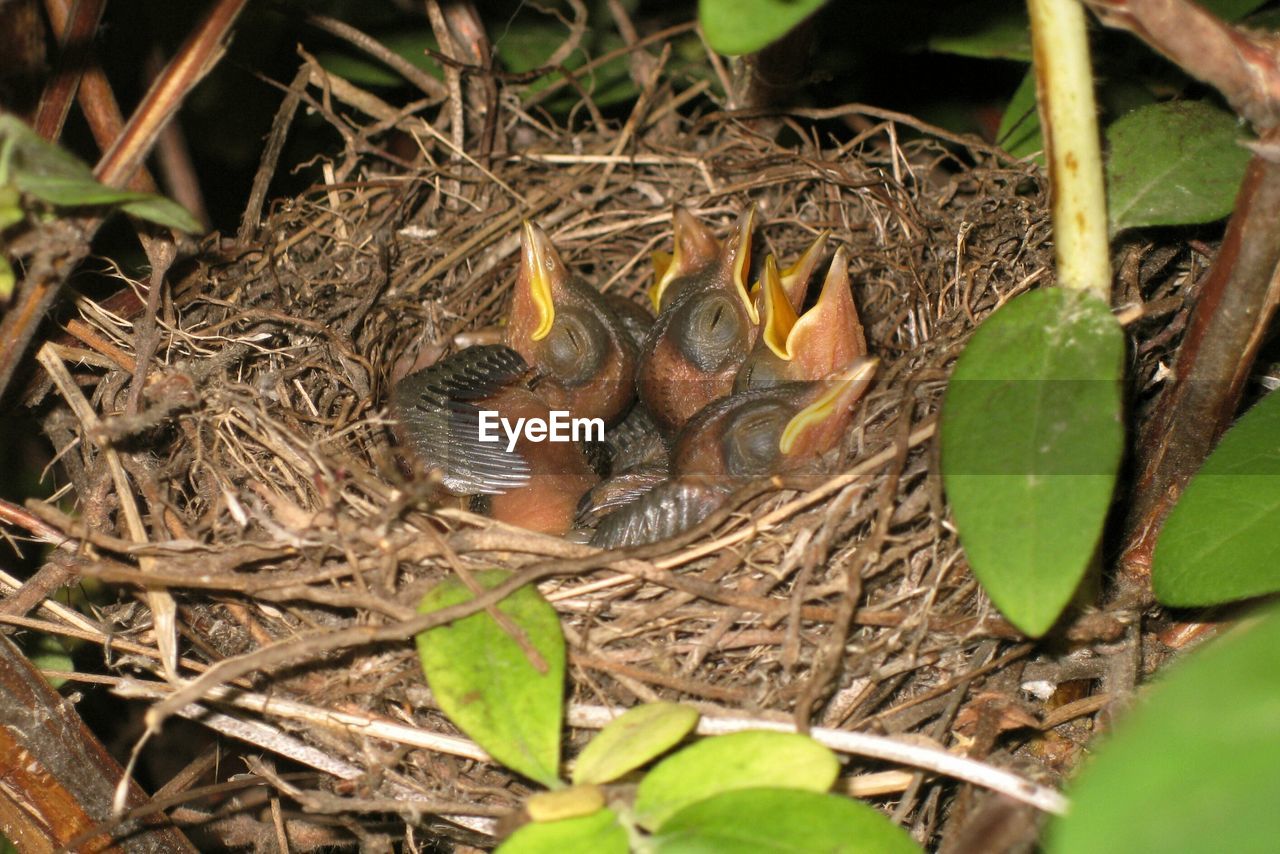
<point x="824" y="339"/>
<point x="565" y="349"/>
<point x="705" y="326"/>
<point x="754" y="433"/>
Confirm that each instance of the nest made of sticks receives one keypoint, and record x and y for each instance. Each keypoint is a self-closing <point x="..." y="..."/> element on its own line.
<point x="271" y="501"/>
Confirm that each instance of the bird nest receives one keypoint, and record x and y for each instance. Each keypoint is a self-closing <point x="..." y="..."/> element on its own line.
<point x="261" y="502"/>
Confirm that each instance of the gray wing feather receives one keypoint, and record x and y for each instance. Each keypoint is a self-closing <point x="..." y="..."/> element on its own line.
<point x="436" y="406"/>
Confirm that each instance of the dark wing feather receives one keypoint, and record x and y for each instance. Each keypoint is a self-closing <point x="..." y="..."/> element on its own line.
<point x="670" y="508"/>
<point x="436" y="406"/>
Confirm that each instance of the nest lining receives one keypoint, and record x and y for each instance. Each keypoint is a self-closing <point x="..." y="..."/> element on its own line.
<point x="275" y="501"/>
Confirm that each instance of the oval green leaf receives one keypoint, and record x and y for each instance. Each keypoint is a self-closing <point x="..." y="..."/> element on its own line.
<point x="736" y="27"/>
<point x="1193" y="767"/>
<point x="1031" y="441"/>
<point x="987" y="29"/>
<point x="598" y="832"/>
<point x="1221" y="542"/>
<point x="1175" y="163"/>
<point x="783" y="821"/>
<point x="741" y="760"/>
<point x="632" y="739"/>
<point x="1020" y="132"/>
<point x="485" y="683"/>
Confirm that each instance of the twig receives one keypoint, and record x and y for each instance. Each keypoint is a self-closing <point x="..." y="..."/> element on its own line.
<point x="75" y="26"/>
<point x="271" y="155"/>
<point x="196" y="58"/>
<point x="163" y="608"/>
<point x="427" y="84"/>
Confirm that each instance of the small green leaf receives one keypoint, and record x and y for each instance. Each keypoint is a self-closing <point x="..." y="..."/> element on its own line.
<point x="736" y="27"/>
<point x="780" y="821"/>
<point x="164" y="212"/>
<point x="1193" y="767"/>
<point x="485" y="683"/>
<point x="1221" y="542"/>
<point x="410" y="44"/>
<point x="559" y="804"/>
<point x="1231" y="10"/>
<point x="54" y="176"/>
<point x="1031" y="442"/>
<point x="30" y="154"/>
<point x="992" y="29"/>
<point x="632" y="739"/>
<point x="7" y="278"/>
<point x="1175" y="163"/>
<point x="742" y="760"/>
<point x="528" y="45"/>
<point x="10" y="206"/>
<point x="48" y="653"/>
<point x="598" y="832"/>
<point x="1020" y="133"/>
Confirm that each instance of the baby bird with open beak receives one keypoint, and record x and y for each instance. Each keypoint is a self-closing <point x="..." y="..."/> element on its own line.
<point x="706" y="322"/>
<point x="750" y="434"/>
<point x="565" y="350"/>
<point x="824" y="339"/>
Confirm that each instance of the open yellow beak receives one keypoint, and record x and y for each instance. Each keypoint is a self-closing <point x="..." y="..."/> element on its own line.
<point x="776" y="310"/>
<point x="694" y="248"/>
<point x="795" y="279"/>
<point x="841" y="392"/>
<point x="539" y="261"/>
<point x="736" y="256"/>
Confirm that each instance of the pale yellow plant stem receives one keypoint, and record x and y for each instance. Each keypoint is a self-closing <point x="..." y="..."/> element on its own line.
<point x="1064" y="88"/>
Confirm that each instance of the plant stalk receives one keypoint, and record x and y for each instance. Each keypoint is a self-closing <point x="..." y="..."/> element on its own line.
<point x="1064" y="88"/>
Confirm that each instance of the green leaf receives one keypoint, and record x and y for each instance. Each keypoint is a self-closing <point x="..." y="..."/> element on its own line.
<point x="1193" y="767"/>
<point x="1031" y="441"/>
<point x="30" y="154"/>
<point x="44" y="170"/>
<point x="559" y="804"/>
<point x="164" y="212"/>
<point x="411" y="44"/>
<point x="485" y="683"/>
<point x="1019" y="132"/>
<point x="742" y="760"/>
<point x="71" y="191"/>
<point x="1231" y="10"/>
<point x="48" y="653"/>
<point x="7" y="278"/>
<point x="785" y="821"/>
<point x="993" y="29"/>
<point x="10" y="206"/>
<point x="1175" y="163"/>
<point x="598" y="832"/>
<point x="745" y="26"/>
<point x="1221" y="542"/>
<point x="632" y="739"/>
<point x="528" y="45"/>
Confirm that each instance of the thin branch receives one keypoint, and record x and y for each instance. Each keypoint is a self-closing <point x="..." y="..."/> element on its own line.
<point x="1244" y="66"/>
<point x="196" y="58"/>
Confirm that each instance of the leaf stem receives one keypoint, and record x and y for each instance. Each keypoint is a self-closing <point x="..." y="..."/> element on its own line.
<point x="1064" y="86"/>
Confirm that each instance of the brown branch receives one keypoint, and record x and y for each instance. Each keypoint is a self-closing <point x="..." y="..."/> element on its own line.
<point x="1236" y="302"/>
<point x="56" y="778"/>
<point x="196" y="58"/>
<point x="97" y="100"/>
<point x="75" y="27"/>
<point x="1243" y="66"/>
<point x="1239" y="293"/>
